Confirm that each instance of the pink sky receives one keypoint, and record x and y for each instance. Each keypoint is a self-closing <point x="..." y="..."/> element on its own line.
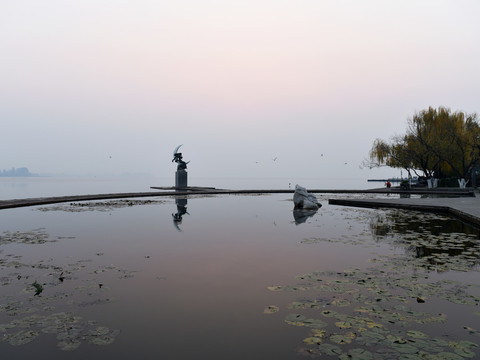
<point x="276" y="77"/>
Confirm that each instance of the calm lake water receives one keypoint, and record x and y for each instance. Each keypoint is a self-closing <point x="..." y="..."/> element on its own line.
<point x="239" y="277"/>
<point x="15" y="188"/>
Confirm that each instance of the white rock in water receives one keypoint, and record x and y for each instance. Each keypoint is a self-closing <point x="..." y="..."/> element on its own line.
<point x="303" y="200"/>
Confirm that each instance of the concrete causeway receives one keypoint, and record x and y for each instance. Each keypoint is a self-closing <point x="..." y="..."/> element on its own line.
<point x="464" y="208"/>
<point x="166" y="191"/>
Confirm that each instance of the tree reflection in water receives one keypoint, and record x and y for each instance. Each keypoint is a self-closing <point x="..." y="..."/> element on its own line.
<point x="437" y="239"/>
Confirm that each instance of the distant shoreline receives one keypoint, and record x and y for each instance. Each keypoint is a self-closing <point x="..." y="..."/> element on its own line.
<point x="17" y="172"/>
<point x="21" y="176"/>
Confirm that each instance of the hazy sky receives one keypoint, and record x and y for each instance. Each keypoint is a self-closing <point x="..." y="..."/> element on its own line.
<point x="113" y="86"/>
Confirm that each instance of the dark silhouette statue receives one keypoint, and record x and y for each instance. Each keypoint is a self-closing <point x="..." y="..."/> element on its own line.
<point x="178" y="158"/>
<point x="181" y="165"/>
<point x="181" y="181"/>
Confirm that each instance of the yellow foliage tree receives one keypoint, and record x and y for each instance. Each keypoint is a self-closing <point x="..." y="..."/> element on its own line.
<point x="438" y="143"/>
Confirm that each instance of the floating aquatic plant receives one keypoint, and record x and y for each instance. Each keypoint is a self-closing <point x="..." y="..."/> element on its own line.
<point x="102" y="206"/>
<point x="36" y="236"/>
<point x="432" y="242"/>
<point x="271" y="309"/>
<point x="76" y="284"/>
<point x="38" y="288"/>
<point x="70" y="330"/>
<point x="376" y="308"/>
<point x="22" y="337"/>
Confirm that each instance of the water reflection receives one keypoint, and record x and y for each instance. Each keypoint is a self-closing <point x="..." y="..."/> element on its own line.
<point x="301" y="215"/>
<point x="181" y="210"/>
<point x="118" y="280"/>
<point x="437" y="240"/>
<point x="398" y="305"/>
<point x="402" y="222"/>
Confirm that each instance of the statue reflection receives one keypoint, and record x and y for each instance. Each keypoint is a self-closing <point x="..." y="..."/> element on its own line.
<point x="301" y="215"/>
<point x="305" y="205"/>
<point x="181" y="210"/>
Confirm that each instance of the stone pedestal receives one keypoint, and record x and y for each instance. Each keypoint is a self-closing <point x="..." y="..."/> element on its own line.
<point x="181" y="179"/>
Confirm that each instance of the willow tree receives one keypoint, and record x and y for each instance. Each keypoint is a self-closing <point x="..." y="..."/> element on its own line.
<point x="437" y="143"/>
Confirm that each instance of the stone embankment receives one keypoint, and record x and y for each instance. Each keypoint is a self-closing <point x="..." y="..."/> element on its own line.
<point x="466" y="208"/>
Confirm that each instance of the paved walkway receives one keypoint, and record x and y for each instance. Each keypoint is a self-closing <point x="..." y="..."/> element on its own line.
<point x="465" y="208"/>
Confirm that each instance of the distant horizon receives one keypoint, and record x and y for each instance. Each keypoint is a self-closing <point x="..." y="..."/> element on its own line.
<point x="153" y="175"/>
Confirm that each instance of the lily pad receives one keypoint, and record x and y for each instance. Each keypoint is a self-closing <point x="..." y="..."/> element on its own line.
<point x="102" y="340"/>
<point x="341" y="303"/>
<point x="357" y="354"/>
<point x="448" y="356"/>
<point x="472" y="331"/>
<point x="275" y="288"/>
<point x="417" y="334"/>
<point x="464" y="348"/>
<point x="22" y="337"/>
<point x="329" y="349"/>
<point x="314" y="323"/>
<point x="69" y="345"/>
<point x="343" y="324"/>
<point x="99" y="331"/>
<point x="342" y="338"/>
<point x="300" y="320"/>
<point x="271" y="309"/>
<point x="312" y="340"/>
<point x="405" y="348"/>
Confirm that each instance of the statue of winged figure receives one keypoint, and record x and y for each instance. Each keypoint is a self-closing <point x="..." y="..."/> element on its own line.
<point x="177" y="157"/>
